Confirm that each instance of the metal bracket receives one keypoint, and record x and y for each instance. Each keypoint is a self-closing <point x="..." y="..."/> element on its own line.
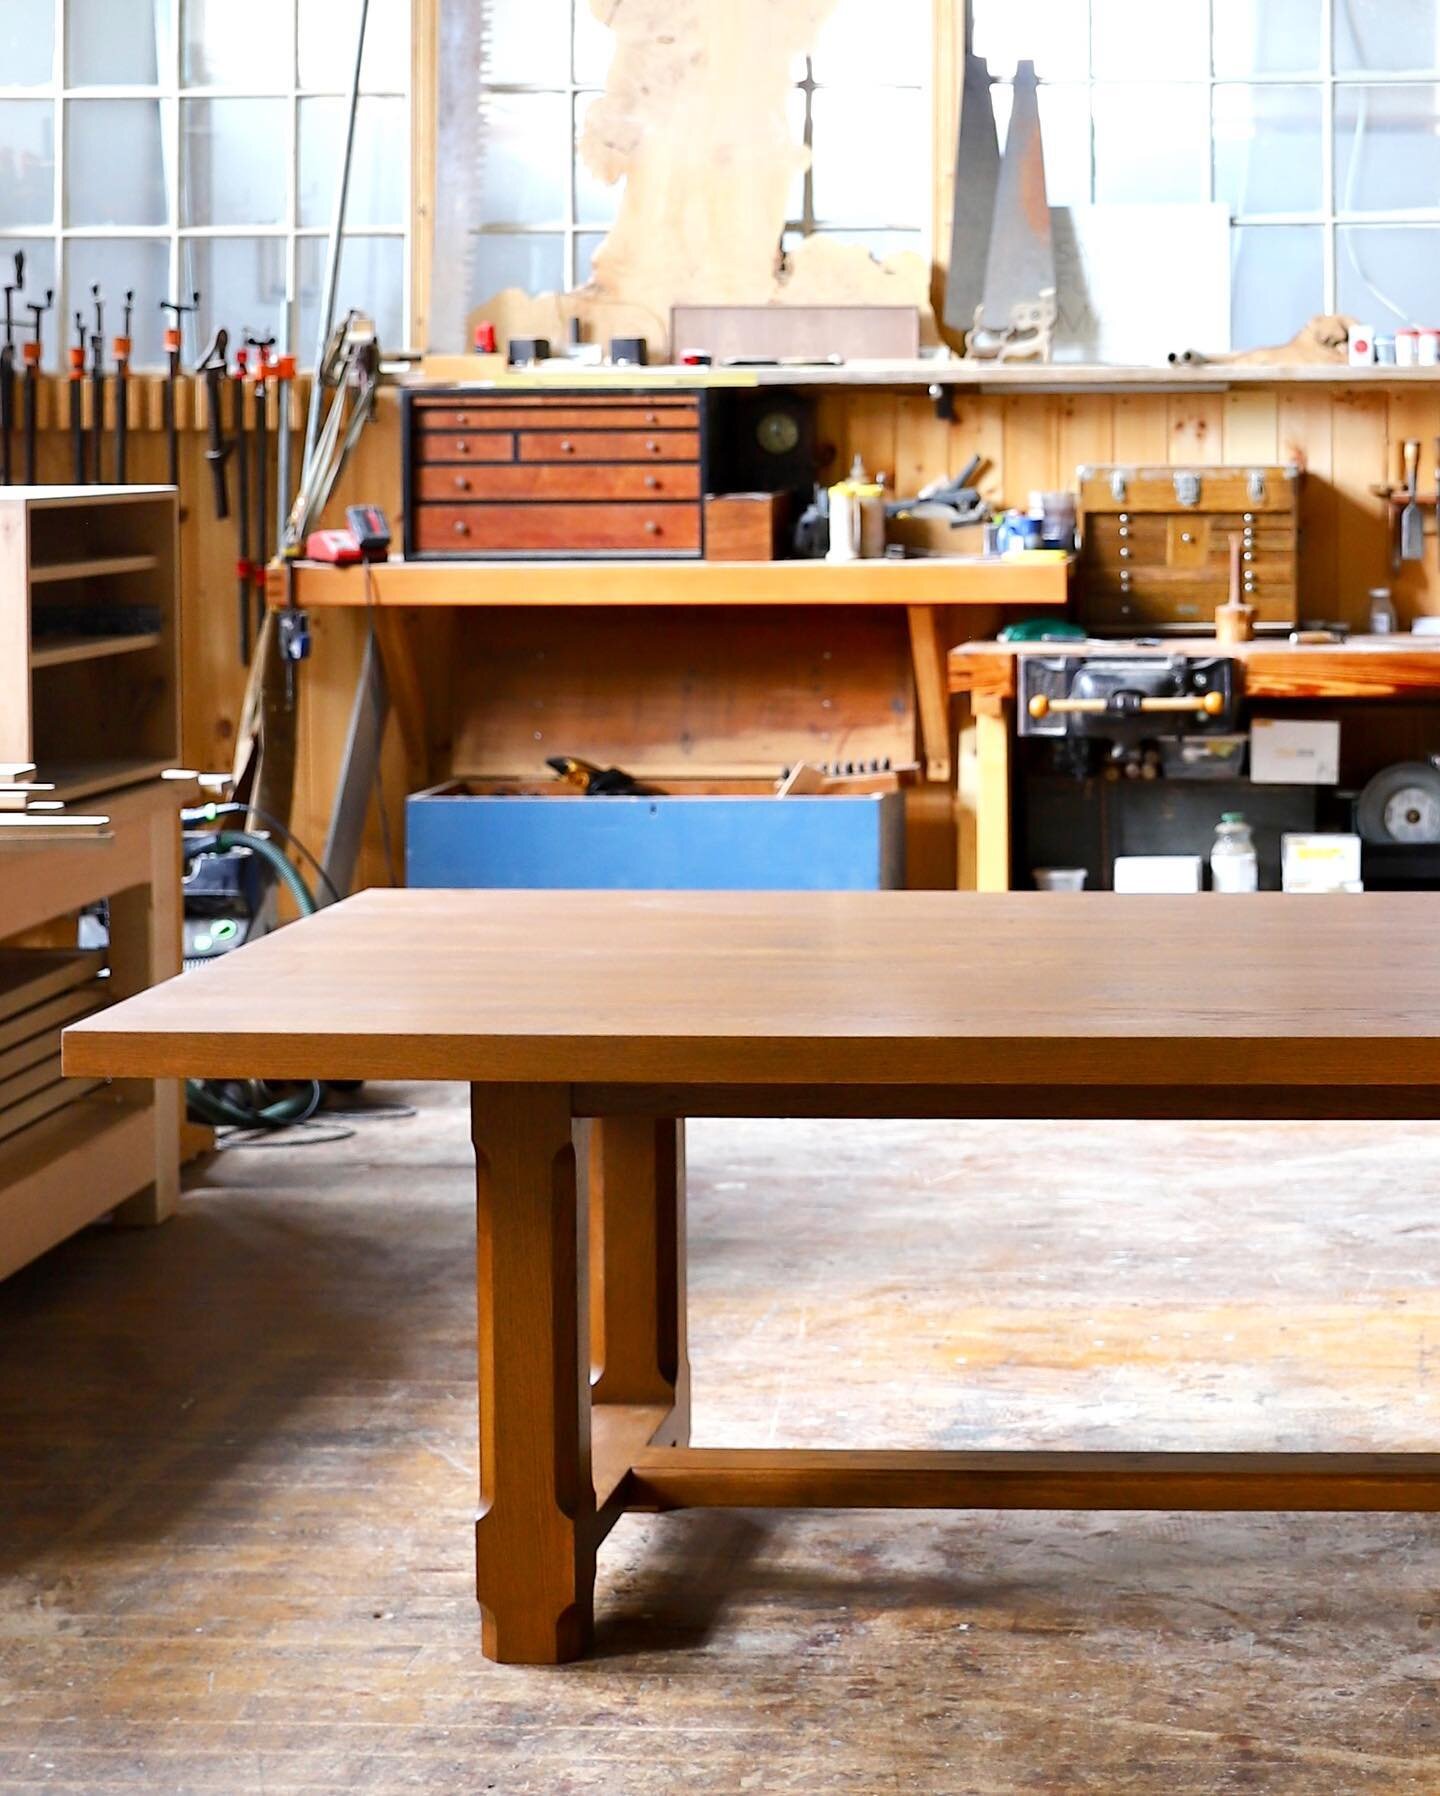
<point x="1255" y="486"/>
<point x="1187" y="488"/>
<point x="1117" y="486"/>
<point x="944" y="398"/>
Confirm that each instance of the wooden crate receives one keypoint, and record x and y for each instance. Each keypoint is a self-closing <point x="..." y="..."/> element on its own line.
<point x="1155" y="546"/>
<point x="89" y="634"/>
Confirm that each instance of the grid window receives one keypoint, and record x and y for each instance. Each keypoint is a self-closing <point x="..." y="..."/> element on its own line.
<point x="1316" y="122"/>
<point x="169" y="146"/>
<point x="514" y="184"/>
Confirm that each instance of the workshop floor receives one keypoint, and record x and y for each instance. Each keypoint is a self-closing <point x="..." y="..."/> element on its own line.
<point x="236" y="1479"/>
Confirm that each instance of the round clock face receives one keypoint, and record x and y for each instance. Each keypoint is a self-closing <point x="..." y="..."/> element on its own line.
<point x="777" y="433"/>
<point x="1413" y="815"/>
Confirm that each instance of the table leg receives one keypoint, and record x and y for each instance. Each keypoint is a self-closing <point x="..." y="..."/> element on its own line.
<point x="637" y="1266"/>
<point x="535" y="1535"/>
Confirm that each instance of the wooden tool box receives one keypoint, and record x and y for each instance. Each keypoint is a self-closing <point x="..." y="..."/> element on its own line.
<point x="604" y="473"/>
<point x="1155" y="545"/>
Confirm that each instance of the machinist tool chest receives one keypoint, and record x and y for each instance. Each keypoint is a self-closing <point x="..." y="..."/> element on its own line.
<point x="1155" y="546"/>
<point x="610" y="473"/>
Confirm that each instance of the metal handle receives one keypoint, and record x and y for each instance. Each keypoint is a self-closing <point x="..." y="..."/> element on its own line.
<point x="461" y="527"/>
<point x="566" y="446"/>
<point x="1210" y="704"/>
<point x="653" y="446"/>
<point x="462" y="419"/>
<point x="461" y="446"/>
<point x="462" y="483"/>
<point x="652" y="417"/>
<point x="651" y="527"/>
<point x="652" y="480"/>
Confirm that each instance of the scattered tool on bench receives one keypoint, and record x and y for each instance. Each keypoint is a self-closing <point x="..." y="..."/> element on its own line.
<point x="174" y="342"/>
<point x="97" y="386"/>
<point x="212" y="366"/>
<point x="1412" y="519"/>
<point x="122" y="348"/>
<point x="77" y="402"/>
<point x="31" y="355"/>
<point x="7" y="374"/>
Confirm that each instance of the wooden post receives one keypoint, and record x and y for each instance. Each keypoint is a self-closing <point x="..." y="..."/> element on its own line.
<point x="535" y="1534"/>
<point x="637" y="1264"/>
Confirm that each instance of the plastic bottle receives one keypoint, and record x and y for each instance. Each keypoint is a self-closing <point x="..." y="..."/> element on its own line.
<point x="1233" y="866"/>
<point x="1383" y="621"/>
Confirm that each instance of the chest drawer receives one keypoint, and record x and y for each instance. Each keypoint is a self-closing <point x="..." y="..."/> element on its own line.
<point x="665" y="415"/>
<point x="438" y="446"/>
<point x="609" y="445"/>
<point x="580" y="480"/>
<point x="542" y="529"/>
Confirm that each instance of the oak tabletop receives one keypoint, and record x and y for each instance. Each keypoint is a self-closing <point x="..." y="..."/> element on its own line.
<point x="834" y="988"/>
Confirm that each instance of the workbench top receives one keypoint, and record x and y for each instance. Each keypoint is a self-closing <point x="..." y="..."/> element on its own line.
<point x="1398" y="666"/>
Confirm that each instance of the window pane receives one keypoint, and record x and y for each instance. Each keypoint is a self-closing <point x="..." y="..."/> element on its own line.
<point x="140" y="265"/>
<point x="595" y="200"/>
<point x="27" y="163"/>
<point x="1387" y="151"/>
<point x="1052" y="33"/>
<point x="853" y="184"/>
<point x="1138" y="40"/>
<point x="116" y="167"/>
<point x="241" y="283"/>
<point x="1277" y="281"/>
<point x="372" y="280"/>
<point x="1267" y="148"/>
<point x="214" y="53"/>
<point x="528" y="44"/>
<point x="594" y="46"/>
<point x="524" y="149"/>
<point x="111" y="43"/>
<point x="532" y="262"/>
<point x="234" y="161"/>
<point x="849" y="49"/>
<point x="1064" y="136"/>
<point x="377" y="195"/>
<point x="1396" y="35"/>
<point x="1398" y="264"/>
<point x="27" y="43"/>
<point x="1151" y="143"/>
<point x="1267" y="37"/>
<point x="327" y="44"/>
<point x="586" y="244"/>
<point x="39" y="254"/>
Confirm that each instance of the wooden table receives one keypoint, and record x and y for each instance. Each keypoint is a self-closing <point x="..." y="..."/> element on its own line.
<point x="644" y="1009"/>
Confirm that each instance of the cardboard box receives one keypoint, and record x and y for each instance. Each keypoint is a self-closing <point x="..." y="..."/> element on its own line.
<point x="1292" y="751"/>
<point x="1316" y="863"/>
<point x="1158" y="873"/>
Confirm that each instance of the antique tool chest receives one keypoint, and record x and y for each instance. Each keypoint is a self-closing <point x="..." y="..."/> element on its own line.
<point x="608" y="473"/>
<point x="1155" y="544"/>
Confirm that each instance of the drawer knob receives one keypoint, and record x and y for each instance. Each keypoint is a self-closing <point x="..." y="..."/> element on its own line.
<point x="461" y="527"/>
<point x="463" y="420"/>
<point x="461" y="446"/>
<point x="652" y="480"/>
<point x="653" y="446"/>
<point x="462" y="483"/>
<point x="566" y="446"/>
<point x="651" y="527"/>
<point x="652" y="417"/>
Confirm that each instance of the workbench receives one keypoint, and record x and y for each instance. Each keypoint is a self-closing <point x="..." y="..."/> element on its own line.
<point x="671" y="669"/>
<point x="1361" y="668"/>
<point x="647" y="1008"/>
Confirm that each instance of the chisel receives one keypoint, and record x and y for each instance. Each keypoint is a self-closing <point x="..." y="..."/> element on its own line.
<point x="97" y="386"/>
<point x="31" y="355"/>
<point x="1412" y="520"/>
<point x="212" y="366"/>
<point x="121" y="349"/>
<point x="77" y="402"/>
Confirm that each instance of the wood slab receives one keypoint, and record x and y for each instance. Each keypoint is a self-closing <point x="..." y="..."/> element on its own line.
<point x="982" y="991"/>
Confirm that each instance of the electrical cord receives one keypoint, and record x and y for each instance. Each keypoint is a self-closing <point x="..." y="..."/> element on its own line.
<point x="208" y="813"/>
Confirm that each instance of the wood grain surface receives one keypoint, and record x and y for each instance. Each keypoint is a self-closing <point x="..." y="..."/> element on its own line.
<point x="844" y="989"/>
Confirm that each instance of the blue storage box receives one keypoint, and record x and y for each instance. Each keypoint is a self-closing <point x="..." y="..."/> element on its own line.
<point x="458" y="837"/>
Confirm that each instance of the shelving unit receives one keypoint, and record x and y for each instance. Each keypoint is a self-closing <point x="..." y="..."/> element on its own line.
<point x="87" y="693"/>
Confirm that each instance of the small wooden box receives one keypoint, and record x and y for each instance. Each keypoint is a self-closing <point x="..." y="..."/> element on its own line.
<point x="746" y="526"/>
<point x="1155" y="546"/>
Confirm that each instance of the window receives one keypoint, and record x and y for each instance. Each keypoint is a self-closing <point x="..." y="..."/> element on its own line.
<point x="519" y="76"/>
<point x="1315" y="122"/>
<point x="167" y="146"/>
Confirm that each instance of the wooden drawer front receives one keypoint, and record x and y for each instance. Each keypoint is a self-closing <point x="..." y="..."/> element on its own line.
<point x="592" y="480"/>
<point x="477" y="446"/>
<point x="558" y="529"/>
<point x="1158" y="539"/>
<point x="1184" y="607"/>
<point x="553" y="417"/>
<point x="610" y="445"/>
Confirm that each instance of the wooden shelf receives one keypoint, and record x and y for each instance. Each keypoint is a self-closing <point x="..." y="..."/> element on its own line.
<point x="78" y="779"/>
<point x="46" y="573"/>
<point x="56" y="651"/>
<point x="958" y="580"/>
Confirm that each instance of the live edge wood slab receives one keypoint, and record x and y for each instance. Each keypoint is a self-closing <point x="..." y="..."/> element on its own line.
<point x="646" y="1008"/>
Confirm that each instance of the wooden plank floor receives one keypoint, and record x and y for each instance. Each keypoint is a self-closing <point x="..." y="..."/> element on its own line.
<point x="236" y="1479"/>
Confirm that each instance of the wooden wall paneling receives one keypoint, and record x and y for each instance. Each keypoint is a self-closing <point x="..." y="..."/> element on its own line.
<point x="1303" y="431"/>
<point x="1415" y="412"/>
<point x="1140" y="428"/>
<point x="978" y="428"/>
<point x="922" y="445"/>
<point x="1249" y="427"/>
<point x="1195" y="428"/>
<point x="872" y="433"/>
<point x="1030" y="451"/>
<point x="832" y="436"/>
<point x="1359" y="429"/>
<point x="1084" y="434"/>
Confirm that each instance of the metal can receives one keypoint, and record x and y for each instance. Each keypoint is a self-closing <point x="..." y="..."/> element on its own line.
<point x="1407" y="348"/>
<point x="1429" y="348"/>
<point x="1362" y="345"/>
